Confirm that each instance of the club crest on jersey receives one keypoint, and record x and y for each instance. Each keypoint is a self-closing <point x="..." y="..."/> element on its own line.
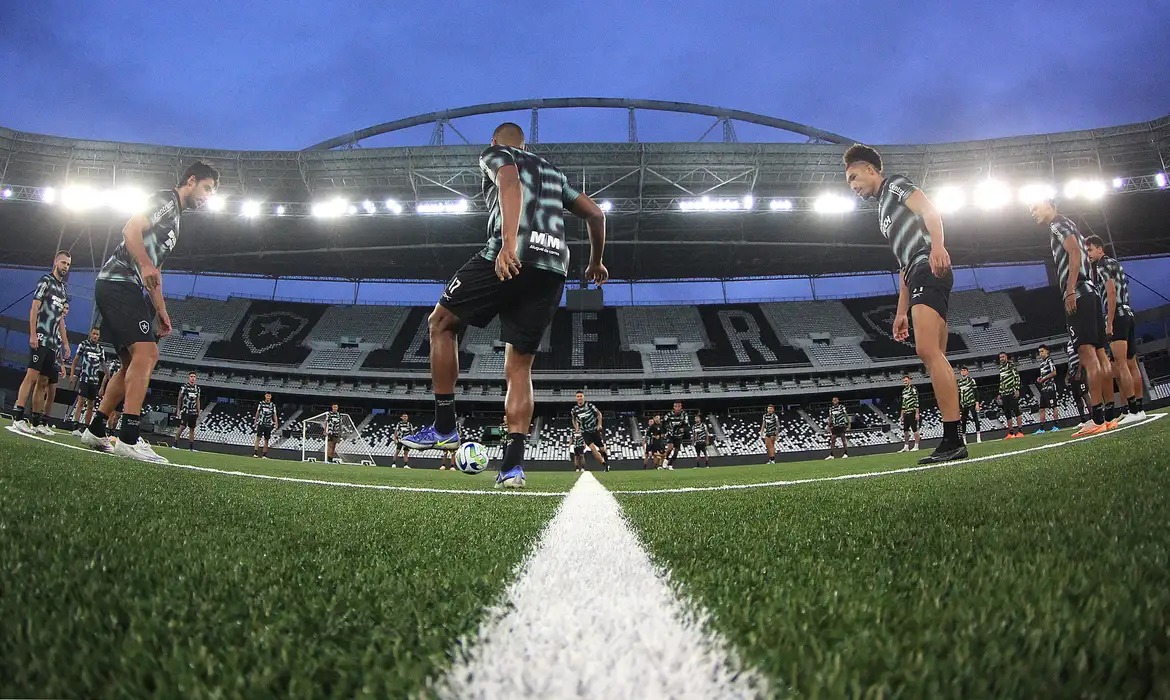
<point x="144" y="327"/>
<point x="263" y="332"/>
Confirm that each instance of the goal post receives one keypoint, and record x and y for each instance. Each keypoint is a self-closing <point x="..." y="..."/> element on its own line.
<point x="352" y="448"/>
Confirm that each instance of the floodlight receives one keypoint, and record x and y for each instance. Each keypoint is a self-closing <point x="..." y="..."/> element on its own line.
<point x="48" y="195"/>
<point x="80" y="197"/>
<point x="325" y="210"/>
<point x="6" y="193"/>
<point x="780" y="205"/>
<point x="606" y="205"/>
<point x="368" y="207"/>
<point x="217" y="202"/>
<point x="1118" y="183"/>
<point x="1160" y="180"/>
<point x="834" y="204"/>
<point x="128" y="200"/>
<point x="280" y="210"/>
<point x="992" y="194"/>
<point x="351" y="209"/>
<point x="250" y="208"/>
<point x="949" y="199"/>
<point x="393" y="206"/>
<point x="749" y="201"/>
<point x="1036" y="192"/>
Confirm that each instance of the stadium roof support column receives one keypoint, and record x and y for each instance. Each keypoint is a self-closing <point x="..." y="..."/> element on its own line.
<point x="534" y="126"/>
<point x="632" y="125"/>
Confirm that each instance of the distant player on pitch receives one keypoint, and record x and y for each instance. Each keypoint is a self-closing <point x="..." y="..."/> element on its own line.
<point x="911" y="416"/>
<point x="187" y="408"/>
<point x="265" y="421"/>
<point x="769" y="431"/>
<point x="46" y="333"/>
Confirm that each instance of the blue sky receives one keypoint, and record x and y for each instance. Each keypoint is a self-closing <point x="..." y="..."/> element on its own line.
<point x="277" y="75"/>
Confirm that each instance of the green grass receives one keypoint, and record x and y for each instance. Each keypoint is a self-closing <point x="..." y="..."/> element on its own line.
<point x="1041" y="575"/>
<point x="123" y="579"/>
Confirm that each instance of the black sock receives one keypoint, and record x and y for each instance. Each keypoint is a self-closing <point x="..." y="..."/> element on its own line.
<point x="950" y="432"/>
<point x="36" y="419"/>
<point x="1139" y="403"/>
<point x="1110" y="411"/>
<point x="604" y="458"/>
<point x="513" y="451"/>
<point x="1098" y="413"/>
<point x="444" y="413"/>
<point x="17" y="413"/>
<point x="1132" y="405"/>
<point x="97" y="426"/>
<point x="129" y="434"/>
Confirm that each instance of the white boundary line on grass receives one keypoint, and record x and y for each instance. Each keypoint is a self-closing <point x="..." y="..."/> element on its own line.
<point x="904" y="470"/>
<point x="589" y="615"/>
<point x="560" y="494"/>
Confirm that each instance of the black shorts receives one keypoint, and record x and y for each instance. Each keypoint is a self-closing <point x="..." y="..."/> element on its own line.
<point x="403" y="447"/>
<point x="264" y="431"/>
<point x="838" y="431"/>
<point x="910" y="422"/>
<point x="1087" y="324"/>
<point x="43" y="361"/>
<point x="593" y="437"/>
<point x="578" y="450"/>
<point x="1011" y="405"/>
<point x="676" y="442"/>
<point x="127" y="314"/>
<point x="657" y="447"/>
<point x="927" y="289"/>
<point x="700" y="448"/>
<point x="770" y="434"/>
<point x="54" y="374"/>
<point x="88" y="390"/>
<point x="1048" y="395"/>
<point x="525" y="304"/>
<point x="1124" y="330"/>
<point x="189" y="420"/>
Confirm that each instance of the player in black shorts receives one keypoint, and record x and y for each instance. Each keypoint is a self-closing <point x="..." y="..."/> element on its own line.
<point x="700" y="438"/>
<point x="1046" y="382"/>
<point x="914" y="228"/>
<point x="838" y="425"/>
<point x="46" y="333"/>
<point x="128" y="293"/>
<point x="1120" y="327"/>
<point x="333" y="434"/>
<point x="657" y="441"/>
<point x="1009" y="397"/>
<point x="587" y="420"/>
<point x="86" y="371"/>
<point x="518" y="277"/>
<point x="677" y="426"/>
<point x="1082" y="308"/>
<point x="769" y="431"/>
<point x="187" y="409"/>
<point x="577" y="450"/>
<point x="1075" y="381"/>
<point x="265" y="421"/>
<point x="911" y="416"/>
<point x="401" y="430"/>
<point x="969" y="403"/>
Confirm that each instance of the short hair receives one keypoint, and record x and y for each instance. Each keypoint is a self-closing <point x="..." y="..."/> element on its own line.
<point x="580" y="393"/>
<point x="963" y="367"/>
<point x="1042" y="347"/>
<point x="191" y="373"/>
<point x="1095" y="240"/>
<point x="858" y="153"/>
<point x="771" y="405"/>
<point x="200" y="171"/>
<point x="905" y="376"/>
<point x="511" y="129"/>
<point x="61" y="252"/>
<point x="678" y="402"/>
<point x="96" y="328"/>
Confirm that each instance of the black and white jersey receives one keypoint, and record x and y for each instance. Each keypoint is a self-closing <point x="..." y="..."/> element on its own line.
<point x="90" y="357"/>
<point x="1047" y="369"/>
<point x="1074" y="360"/>
<point x="586" y="416"/>
<point x="966" y="390"/>
<point x="53" y="295"/>
<point x="902" y="228"/>
<point x="1109" y="269"/>
<point x="909" y="399"/>
<point x="115" y="367"/>
<point x="266" y="414"/>
<point x="333" y="423"/>
<point x="189" y="399"/>
<point x="578" y="439"/>
<point x="1060" y="229"/>
<point x="656" y="431"/>
<point x="771" y="423"/>
<point x="699" y="433"/>
<point x="838" y="416"/>
<point x="545" y="194"/>
<point x="676" y="423"/>
<point x="163" y="213"/>
<point x="1009" y="379"/>
<point x="402" y="429"/>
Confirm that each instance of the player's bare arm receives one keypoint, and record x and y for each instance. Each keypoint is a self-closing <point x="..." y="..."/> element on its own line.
<point x="901" y="318"/>
<point x="585" y="208"/>
<point x="64" y="338"/>
<point x="920" y="204"/>
<point x="1111" y="305"/>
<point x="511" y="200"/>
<point x="1074" y="272"/>
<point x="151" y="276"/>
<point x="33" y="341"/>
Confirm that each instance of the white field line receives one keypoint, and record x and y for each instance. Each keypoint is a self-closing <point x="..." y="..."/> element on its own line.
<point x="904" y="470"/>
<point x="589" y="615"/>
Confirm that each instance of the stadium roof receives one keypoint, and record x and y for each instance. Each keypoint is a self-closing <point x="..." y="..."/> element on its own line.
<point x="702" y="209"/>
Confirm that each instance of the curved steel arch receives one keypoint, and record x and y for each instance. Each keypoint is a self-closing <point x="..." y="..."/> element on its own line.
<point x="570" y="102"/>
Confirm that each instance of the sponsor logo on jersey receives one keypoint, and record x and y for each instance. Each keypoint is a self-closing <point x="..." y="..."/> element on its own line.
<point x="545" y="242"/>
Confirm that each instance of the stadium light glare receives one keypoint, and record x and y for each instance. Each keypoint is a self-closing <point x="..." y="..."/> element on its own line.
<point x="368" y="207"/>
<point x="48" y="195"/>
<point x="80" y="197"/>
<point x="1036" y="192"/>
<point x="749" y="201"/>
<point x="459" y="206"/>
<point x="250" y="208"/>
<point x="780" y="205"/>
<point x="1118" y="183"/>
<point x="834" y="204"/>
<point x="280" y="210"/>
<point x="992" y="194"/>
<point x="127" y="200"/>
<point x="6" y="193"/>
<point x="393" y="206"/>
<point x="949" y="199"/>
<point x="351" y="209"/>
<point x="1160" y="180"/>
<point x="706" y="203"/>
<point x="329" y="209"/>
<point x="217" y="203"/>
<point x="606" y="205"/>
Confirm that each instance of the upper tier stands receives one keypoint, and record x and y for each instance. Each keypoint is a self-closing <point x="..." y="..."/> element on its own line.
<point x="375" y="325"/>
<point x="740" y="336"/>
<point x="876" y="316"/>
<point x="271" y="332"/>
<point x="1041" y="311"/>
<point x="797" y="320"/>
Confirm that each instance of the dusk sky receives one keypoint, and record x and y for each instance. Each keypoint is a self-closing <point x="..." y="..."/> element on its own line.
<point x="278" y="75"/>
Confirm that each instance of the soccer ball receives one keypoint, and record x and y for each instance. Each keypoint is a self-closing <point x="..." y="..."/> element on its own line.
<point x="472" y="458"/>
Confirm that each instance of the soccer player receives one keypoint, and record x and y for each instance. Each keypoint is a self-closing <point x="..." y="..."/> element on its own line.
<point x="444" y="457"/>
<point x="187" y="408"/>
<point x="587" y="420"/>
<point x="647" y="455"/>
<point x="1075" y="380"/>
<point x="1009" y="396"/>
<point x="769" y="429"/>
<point x="1120" y="329"/>
<point x="91" y="356"/>
<point x="657" y="441"/>
<point x="677" y="425"/>
<point x="969" y="403"/>
<point x="265" y="421"/>
<point x="1082" y="308"/>
<point x="333" y="430"/>
<point x="114" y="367"/>
<point x="132" y="322"/>
<point x="401" y="430"/>
<point x="700" y="438"/>
<point x="838" y="428"/>
<point x="911" y="416"/>
<point x="914" y="228"/>
<point x="577" y="450"/>
<point x="1047" y="383"/>
<point x="518" y="277"/>
<point x="46" y="333"/>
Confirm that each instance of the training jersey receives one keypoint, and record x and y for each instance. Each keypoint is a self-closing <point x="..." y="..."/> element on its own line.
<point x="1074" y="360"/>
<point x="586" y="416"/>
<point x="53" y="295"/>
<point x="656" y="431"/>
<point x="189" y="399"/>
<point x="1047" y="368"/>
<point x="910" y="399"/>
<point x="902" y="228"/>
<point x="115" y="367"/>
<point x="966" y="390"/>
<point x="90" y="356"/>
<point x="699" y="433"/>
<point x="1009" y="379"/>
<point x="1060" y="229"/>
<point x="676" y="423"/>
<point x="838" y="416"/>
<point x="403" y="428"/>
<point x="578" y="440"/>
<point x="1109" y="269"/>
<point x="333" y="423"/>
<point x="266" y="414"/>
<point x="771" y="423"/>
<point x="163" y="214"/>
<point x="545" y="194"/>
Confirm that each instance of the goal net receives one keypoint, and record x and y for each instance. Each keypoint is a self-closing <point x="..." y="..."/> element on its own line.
<point x="351" y="446"/>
